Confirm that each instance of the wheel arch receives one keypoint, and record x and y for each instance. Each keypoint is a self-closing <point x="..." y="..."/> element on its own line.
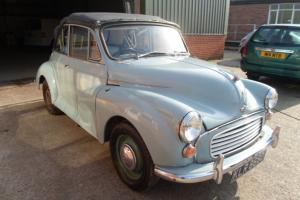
<point x="156" y="124"/>
<point x="46" y="72"/>
<point x="258" y="90"/>
<point x="41" y="79"/>
<point x="111" y="123"/>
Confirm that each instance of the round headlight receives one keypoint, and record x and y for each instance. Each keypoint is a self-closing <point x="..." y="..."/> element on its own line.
<point x="190" y="127"/>
<point x="271" y="99"/>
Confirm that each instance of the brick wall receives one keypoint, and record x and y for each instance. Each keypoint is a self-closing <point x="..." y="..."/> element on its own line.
<point x="207" y="47"/>
<point x="249" y="14"/>
<point x="246" y="14"/>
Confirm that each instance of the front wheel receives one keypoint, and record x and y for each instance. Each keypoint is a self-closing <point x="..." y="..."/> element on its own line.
<point x="131" y="158"/>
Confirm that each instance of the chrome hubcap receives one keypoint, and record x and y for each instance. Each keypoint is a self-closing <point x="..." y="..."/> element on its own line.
<point x="128" y="157"/>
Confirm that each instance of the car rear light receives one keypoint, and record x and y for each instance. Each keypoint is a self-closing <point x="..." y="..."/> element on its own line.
<point x="245" y="52"/>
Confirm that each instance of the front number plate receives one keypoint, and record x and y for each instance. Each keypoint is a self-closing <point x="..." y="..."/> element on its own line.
<point x="253" y="162"/>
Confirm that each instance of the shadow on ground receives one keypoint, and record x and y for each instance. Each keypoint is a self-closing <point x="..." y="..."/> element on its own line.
<point x="289" y="95"/>
<point x="50" y="157"/>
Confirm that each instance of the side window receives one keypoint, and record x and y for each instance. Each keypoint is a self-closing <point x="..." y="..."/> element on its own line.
<point x="62" y="41"/>
<point x="94" y="53"/>
<point x="79" y="42"/>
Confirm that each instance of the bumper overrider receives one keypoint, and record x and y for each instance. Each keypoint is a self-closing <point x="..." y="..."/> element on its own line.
<point x="195" y="173"/>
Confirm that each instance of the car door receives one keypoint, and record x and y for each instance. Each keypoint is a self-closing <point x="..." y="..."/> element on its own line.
<point x="66" y="100"/>
<point x="90" y="74"/>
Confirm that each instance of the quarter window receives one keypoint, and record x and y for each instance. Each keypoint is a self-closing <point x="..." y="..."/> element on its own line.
<point x="94" y="53"/>
<point x="79" y="42"/>
<point x="285" y="13"/>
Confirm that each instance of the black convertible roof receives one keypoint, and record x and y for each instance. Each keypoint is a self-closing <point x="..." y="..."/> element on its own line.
<point x="93" y="20"/>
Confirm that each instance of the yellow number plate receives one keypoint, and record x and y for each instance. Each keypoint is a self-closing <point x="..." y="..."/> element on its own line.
<point x="273" y="55"/>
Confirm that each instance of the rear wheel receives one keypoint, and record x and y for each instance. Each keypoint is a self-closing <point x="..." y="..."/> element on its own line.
<point x="52" y="109"/>
<point x="131" y="158"/>
<point x="252" y="76"/>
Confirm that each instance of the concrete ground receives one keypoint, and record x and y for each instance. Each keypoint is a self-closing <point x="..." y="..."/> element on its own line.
<point x="50" y="157"/>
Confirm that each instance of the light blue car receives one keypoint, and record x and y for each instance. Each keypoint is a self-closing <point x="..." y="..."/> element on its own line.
<point x="130" y="80"/>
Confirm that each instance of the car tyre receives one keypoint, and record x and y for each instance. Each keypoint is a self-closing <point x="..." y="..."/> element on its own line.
<point x="252" y="76"/>
<point x="52" y="109"/>
<point x="131" y="158"/>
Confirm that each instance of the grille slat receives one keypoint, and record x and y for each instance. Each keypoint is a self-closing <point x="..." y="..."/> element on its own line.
<point x="236" y="142"/>
<point x="231" y="150"/>
<point x="237" y="138"/>
<point x="233" y="131"/>
<point x="231" y="142"/>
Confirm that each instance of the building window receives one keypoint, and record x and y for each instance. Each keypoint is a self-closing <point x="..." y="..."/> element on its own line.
<point x="286" y="13"/>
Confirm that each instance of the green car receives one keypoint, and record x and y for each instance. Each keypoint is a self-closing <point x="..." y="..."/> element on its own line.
<point x="274" y="50"/>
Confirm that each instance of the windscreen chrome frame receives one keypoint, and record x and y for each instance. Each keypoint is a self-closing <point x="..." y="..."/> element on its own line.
<point x="105" y="47"/>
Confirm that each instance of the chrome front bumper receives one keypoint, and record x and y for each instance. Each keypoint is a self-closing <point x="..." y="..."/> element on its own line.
<point x="195" y="173"/>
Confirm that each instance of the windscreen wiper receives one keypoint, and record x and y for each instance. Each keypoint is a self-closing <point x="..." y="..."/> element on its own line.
<point x="264" y="42"/>
<point x="180" y="53"/>
<point x="155" y="53"/>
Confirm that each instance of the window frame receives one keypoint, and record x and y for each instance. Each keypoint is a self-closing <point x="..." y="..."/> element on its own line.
<point x="90" y="31"/>
<point x="278" y="9"/>
<point x="68" y="40"/>
<point x="105" y="47"/>
<point x="87" y="53"/>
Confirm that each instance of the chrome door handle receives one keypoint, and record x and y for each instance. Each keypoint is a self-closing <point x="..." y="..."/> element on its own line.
<point x="67" y="66"/>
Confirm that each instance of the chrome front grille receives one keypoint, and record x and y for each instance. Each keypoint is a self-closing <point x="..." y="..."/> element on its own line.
<point x="237" y="137"/>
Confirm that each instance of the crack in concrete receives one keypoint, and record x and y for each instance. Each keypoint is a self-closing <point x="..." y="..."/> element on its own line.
<point x="288" y="115"/>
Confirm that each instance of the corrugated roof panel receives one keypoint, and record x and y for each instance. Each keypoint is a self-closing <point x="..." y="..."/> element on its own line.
<point x="194" y="16"/>
<point x="240" y="2"/>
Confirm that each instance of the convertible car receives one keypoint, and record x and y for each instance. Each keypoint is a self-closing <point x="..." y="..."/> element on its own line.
<point x="130" y="80"/>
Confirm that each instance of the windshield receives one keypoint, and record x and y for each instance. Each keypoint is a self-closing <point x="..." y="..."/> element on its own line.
<point x="135" y="41"/>
<point x="281" y="36"/>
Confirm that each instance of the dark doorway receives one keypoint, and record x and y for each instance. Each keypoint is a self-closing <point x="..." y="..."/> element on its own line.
<point x="26" y="31"/>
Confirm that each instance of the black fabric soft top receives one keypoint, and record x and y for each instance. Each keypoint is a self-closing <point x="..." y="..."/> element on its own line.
<point x="94" y="20"/>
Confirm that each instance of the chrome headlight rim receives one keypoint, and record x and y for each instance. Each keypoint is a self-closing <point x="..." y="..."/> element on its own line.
<point x="271" y="99"/>
<point x="190" y="127"/>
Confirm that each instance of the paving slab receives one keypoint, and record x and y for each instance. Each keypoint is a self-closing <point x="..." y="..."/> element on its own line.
<point x="50" y="157"/>
<point x="19" y="93"/>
